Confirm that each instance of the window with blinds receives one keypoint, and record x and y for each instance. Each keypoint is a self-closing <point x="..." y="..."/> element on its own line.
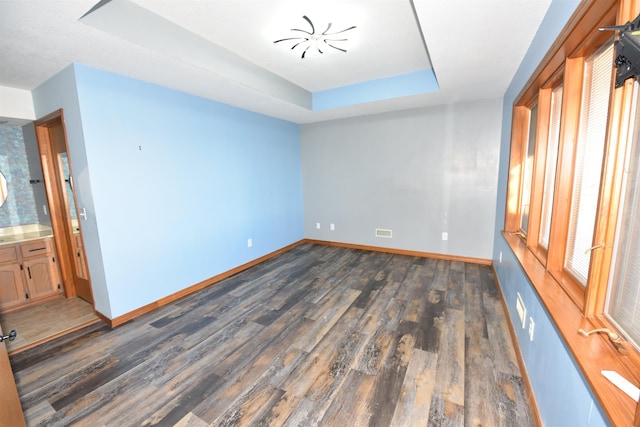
<point x="550" y="167"/>
<point x="525" y="197"/>
<point x="588" y="161"/>
<point x="623" y="305"/>
<point x="577" y="216"/>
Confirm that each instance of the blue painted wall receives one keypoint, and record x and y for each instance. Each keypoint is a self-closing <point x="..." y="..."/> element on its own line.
<point x="563" y="397"/>
<point x="174" y="185"/>
<point x="415" y="83"/>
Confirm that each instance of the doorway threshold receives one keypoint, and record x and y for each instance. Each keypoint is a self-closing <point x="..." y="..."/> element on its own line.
<point x="44" y="322"/>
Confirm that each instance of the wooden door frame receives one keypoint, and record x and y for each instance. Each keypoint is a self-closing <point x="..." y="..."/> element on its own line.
<point x="59" y="224"/>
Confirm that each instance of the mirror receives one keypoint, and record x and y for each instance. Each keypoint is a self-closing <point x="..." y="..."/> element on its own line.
<point x="66" y="181"/>
<point x="63" y="164"/>
<point x="3" y="189"/>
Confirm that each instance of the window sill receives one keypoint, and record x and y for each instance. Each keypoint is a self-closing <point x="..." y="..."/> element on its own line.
<point x="592" y="354"/>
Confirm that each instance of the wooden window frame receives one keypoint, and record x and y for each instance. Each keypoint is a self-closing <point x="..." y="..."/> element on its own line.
<point x="571" y="305"/>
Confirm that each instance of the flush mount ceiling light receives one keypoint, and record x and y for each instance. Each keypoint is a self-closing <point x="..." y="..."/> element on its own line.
<point x="314" y="41"/>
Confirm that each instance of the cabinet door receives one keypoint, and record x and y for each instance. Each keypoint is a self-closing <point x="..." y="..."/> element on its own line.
<point x="42" y="277"/>
<point x="12" y="290"/>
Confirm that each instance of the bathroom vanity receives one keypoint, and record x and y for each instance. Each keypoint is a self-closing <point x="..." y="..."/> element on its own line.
<point x="29" y="270"/>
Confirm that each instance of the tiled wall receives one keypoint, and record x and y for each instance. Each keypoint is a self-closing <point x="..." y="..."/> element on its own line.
<point x="20" y="206"/>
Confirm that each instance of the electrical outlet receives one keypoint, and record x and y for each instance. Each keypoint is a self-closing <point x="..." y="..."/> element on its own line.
<point x="317" y="226"/>
<point x="332" y="227"/>
<point x="249" y="243"/>
<point x="445" y="235"/>
<point x="531" y="328"/>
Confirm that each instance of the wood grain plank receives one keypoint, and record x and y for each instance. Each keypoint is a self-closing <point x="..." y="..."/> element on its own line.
<point x="444" y="413"/>
<point x="191" y="420"/>
<point x="421" y="278"/>
<point x="479" y="408"/>
<point x="353" y="402"/>
<point x="251" y="407"/>
<point x="451" y="360"/>
<point x="333" y="307"/>
<point x="321" y="374"/>
<point x="414" y="402"/>
<point x="441" y="277"/>
<point x="390" y="377"/>
<point x="428" y="329"/>
<point x="372" y="356"/>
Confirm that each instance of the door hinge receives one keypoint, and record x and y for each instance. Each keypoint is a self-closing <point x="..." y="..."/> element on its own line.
<point x="53" y="259"/>
<point x="21" y="267"/>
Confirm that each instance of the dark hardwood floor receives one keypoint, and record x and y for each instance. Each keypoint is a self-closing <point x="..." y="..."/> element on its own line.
<point x="317" y="336"/>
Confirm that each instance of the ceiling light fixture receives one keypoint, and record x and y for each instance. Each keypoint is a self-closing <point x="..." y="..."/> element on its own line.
<point x="312" y="41"/>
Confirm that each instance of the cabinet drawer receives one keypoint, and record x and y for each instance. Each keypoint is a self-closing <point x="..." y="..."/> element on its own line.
<point x="8" y="253"/>
<point x="35" y="248"/>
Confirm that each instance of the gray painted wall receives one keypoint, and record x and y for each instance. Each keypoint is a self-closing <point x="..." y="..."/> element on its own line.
<point x="418" y="172"/>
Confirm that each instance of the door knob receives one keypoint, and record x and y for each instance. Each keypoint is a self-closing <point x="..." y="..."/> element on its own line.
<point x="12" y="336"/>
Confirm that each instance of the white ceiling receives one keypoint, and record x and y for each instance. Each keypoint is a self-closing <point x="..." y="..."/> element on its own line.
<point x="475" y="47"/>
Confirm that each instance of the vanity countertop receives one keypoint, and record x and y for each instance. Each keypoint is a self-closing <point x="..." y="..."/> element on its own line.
<point x="24" y="233"/>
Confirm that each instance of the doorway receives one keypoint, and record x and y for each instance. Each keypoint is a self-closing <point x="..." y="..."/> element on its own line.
<point x="39" y="323"/>
<point x="65" y="215"/>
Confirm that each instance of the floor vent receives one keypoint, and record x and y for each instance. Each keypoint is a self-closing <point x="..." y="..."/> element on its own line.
<point x="381" y="232"/>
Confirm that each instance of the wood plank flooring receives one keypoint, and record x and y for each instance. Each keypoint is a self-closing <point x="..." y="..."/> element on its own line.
<point x="316" y="336"/>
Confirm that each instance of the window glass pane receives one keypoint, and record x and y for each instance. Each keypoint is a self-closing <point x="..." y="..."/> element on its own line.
<point x="550" y="167"/>
<point x="525" y="199"/>
<point x="588" y="162"/>
<point x="624" y="287"/>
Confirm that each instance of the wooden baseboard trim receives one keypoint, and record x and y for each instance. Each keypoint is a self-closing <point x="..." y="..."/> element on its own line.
<point x="117" y="321"/>
<point x="104" y="318"/>
<point x="445" y="257"/>
<point x="531" y="398"/>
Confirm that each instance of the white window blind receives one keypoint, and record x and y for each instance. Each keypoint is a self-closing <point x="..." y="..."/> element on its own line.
<point x="623" y="305"/>
<point x="551" y="162"/>
<point x="588" y="161"/>
<point x="525" y="197"/>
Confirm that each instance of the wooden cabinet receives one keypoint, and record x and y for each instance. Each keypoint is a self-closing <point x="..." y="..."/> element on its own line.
<point x="11" y="286"/>
<point x="28" y="273"/>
